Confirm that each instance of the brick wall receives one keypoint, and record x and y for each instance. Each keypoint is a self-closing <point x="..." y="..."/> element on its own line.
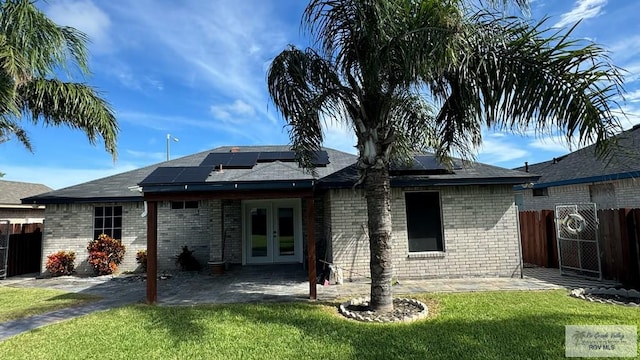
<point x="70" y="227"/>
<point x="186" y="227"/>
<point x="232" y="228"/>
<point x="480" y="234"/>
<point x="627" y="195"/>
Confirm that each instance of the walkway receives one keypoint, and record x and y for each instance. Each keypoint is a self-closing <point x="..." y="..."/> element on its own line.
<point x="254" y="284"/>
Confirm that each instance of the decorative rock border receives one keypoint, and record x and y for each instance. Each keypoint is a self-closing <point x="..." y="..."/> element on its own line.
<point x="382" y="318"/>
<point x="599" y="295"/>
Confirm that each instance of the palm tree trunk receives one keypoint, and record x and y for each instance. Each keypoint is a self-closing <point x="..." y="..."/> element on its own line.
<point x="378" y="194"/>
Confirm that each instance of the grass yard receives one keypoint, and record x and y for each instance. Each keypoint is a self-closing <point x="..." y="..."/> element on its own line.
<point x="483" y="325"/>
<point x="16" y="303"/>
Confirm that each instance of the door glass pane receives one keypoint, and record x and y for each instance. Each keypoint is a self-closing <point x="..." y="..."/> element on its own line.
<point x="258" y="232"/>
<point x="286" y="240"/>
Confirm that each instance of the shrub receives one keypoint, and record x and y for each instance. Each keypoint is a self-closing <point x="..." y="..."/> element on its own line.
<point x="61" y="263"/>
<point x="187" y="261"/>
<point x="141" y="258"/>
<point x="105" y="254"/>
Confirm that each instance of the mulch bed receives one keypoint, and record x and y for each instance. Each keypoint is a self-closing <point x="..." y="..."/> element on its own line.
<point x="404" y="310"/>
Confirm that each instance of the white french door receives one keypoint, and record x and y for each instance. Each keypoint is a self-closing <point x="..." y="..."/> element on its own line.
<point x="272" y="231"/>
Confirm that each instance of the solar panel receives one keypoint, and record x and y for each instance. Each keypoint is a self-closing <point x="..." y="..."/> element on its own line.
<point x="269" y="156"/>
<point x="237" y="160"/>
<point x="322" y="158"/>
<point x="422" y="164"/>
<point x="215" y="159"/>
<point x="193" y="174"/>
<point x="247" y="160"/>
<point x="177" y="175"/>
<point x="428" y="162"/>
<point x="162" y="175"/>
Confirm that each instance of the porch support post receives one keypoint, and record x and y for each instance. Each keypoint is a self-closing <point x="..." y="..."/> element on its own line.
<point x="152" y="252"/>
<point x="311" y="247"/>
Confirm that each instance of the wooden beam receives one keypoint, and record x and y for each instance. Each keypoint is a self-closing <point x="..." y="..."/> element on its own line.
<point x="152" y="252"/>
<point x="240" y="194"/>
<point x="311" y="247"/>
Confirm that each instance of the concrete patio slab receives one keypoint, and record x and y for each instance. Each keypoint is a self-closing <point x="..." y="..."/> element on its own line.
<point x="256" y="284"/>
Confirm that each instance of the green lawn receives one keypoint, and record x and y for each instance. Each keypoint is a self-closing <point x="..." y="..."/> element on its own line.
<point x="483" y="325"/>
<point x="18" y="303"/>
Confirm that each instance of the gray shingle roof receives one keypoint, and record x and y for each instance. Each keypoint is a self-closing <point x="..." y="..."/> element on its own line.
<point x="583" y="166"/>
<point x="340" y="172"/>
<point x="469" y="173"/>
<point x="12" y="191"/>
<point x="116" y="187"/>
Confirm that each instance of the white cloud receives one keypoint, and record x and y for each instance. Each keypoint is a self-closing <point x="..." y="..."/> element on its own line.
<point x="557" y="143"/>
<point x="339" y="137"/>
<point x="583" y="9"/>
<point x="633" y="96"/>
<point x="632" y="116"/>
<point x="147" y="155"/>
<point x="85" y="16"/>
<point x="239" y="135"/>
<point x="221" y="46"/>
<point x="496" y="151"/>
<point x="632" y="72"/>
<point x="496" y="135"/>
<point x="237" y="111"/>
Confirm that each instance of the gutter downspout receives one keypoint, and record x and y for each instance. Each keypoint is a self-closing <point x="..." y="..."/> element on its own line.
<point x="520" y="243"/>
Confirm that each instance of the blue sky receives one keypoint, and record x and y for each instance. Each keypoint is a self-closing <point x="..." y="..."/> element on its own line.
<point x="196" y="69"/>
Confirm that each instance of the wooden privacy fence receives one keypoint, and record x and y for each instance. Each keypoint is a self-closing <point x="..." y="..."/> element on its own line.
<point x="25" y="249"/>
<point x="618" y="238"/>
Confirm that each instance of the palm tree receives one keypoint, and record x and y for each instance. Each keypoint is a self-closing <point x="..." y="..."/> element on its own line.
<point x="411" y="75"/>
<point x="33" y="50"/>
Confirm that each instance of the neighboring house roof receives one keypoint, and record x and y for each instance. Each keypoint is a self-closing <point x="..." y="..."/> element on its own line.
<point x="190" y="174"/>
<point x="583" y="166"/>
<point x="12" y="191"/>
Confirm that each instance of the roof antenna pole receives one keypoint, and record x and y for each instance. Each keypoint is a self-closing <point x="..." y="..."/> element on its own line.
<point x="169" y="138"/>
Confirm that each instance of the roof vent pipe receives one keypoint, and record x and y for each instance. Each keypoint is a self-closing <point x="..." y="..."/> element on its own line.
<point x="526" y="166"/>
<point x="220" y="169"/>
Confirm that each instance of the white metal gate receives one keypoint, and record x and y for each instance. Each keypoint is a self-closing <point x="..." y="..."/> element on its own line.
<point x="5" y="231"/>
<point x="577" y="234"/>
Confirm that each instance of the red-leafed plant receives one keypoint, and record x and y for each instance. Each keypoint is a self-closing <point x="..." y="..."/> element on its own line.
<point x="61" y="263"/>
<point x="105" y="254"/>
<point x="141" y="258"/>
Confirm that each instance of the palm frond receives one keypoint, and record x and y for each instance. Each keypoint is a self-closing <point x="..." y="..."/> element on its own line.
<point x="414" y="127"/>
<point x="519" y="77"/>
<point x="305" y="89"/>
<point x="44" y="45"/>
<point x="77" y="106"/>
<point x="9" y="127"/>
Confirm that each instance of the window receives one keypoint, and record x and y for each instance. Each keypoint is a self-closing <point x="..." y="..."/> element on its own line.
<point x="107" y="220"/>
<point x="541" y="192"/>
<point x="424" y="221"/>
<point x="177" y="205"/>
